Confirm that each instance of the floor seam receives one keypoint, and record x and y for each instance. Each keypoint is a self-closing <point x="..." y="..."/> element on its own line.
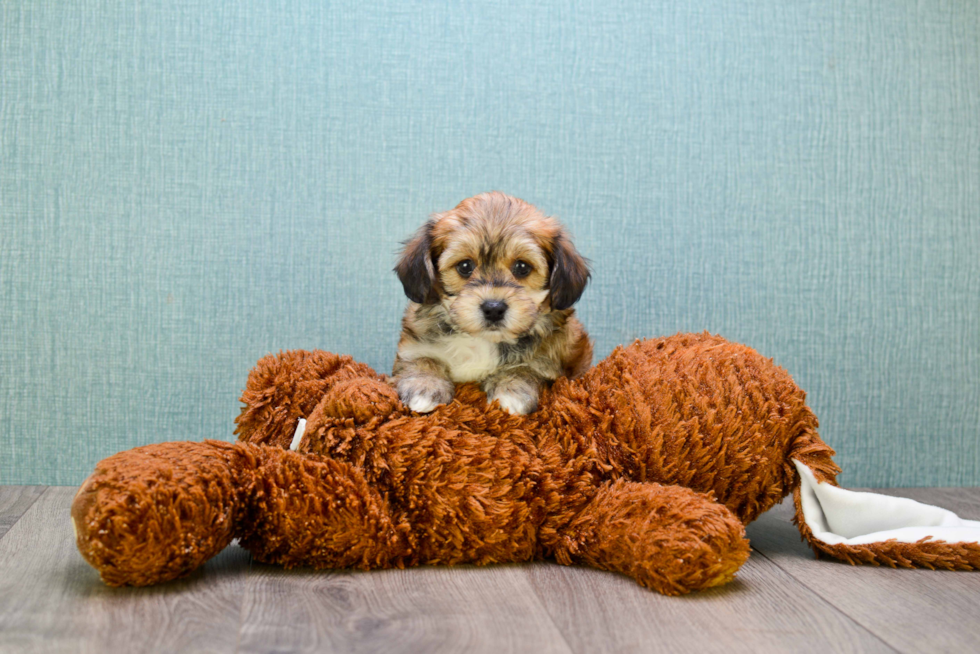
<point x="544" y="607"/>
<point x="241" y="610"/>
<point x="823" y="599"/>
<point x="26" y="509"/>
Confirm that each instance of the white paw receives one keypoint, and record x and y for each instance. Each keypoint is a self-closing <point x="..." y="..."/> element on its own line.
<point x="515" y="403"/>
<point x="422" y="404"/>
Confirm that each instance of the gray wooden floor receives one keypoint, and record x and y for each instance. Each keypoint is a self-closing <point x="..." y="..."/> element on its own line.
<point x="782" y="601"/>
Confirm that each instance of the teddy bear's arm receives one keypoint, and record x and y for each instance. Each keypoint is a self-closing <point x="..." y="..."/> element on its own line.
<point x="668" y="538"/>
<point x="285" y="387"/>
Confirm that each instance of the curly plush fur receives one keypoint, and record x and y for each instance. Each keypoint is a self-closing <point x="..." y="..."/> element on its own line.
<point x="649" y="465"/>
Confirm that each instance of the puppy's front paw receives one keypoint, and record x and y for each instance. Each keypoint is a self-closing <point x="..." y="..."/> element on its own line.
<point x="423" y="394"/>
<point x="422" y="404"/>
<point x="516" y="401"/>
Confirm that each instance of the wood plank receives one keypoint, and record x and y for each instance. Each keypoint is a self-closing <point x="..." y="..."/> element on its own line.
<point x="911" y="610"/>
<point x="52" y="601"/>
<point x="763" y="610"/>
<point x="14" y="501"/>
<point x="428" y="609"/>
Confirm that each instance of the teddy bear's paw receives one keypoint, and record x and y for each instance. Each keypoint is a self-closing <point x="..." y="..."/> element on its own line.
<point x="359" y="399"/>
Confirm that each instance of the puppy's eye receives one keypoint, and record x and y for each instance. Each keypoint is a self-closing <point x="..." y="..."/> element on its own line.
<point x="465" y="267"/>
<point x="521" y="269"/>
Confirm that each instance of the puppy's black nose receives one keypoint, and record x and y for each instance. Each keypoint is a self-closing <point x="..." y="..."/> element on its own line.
<point x="493" y="310"/>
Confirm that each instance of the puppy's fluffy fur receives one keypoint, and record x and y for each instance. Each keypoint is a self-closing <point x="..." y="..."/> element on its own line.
<point x="491" y="285"/>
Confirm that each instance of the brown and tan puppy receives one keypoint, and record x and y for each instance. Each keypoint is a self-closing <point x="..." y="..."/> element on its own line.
<point x="491" y="284"/>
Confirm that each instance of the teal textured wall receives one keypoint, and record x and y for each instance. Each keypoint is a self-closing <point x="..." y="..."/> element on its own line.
<point x="186" y="186"/>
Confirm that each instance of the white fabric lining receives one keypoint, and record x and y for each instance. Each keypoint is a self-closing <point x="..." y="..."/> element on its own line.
<point x="837" y="516"/>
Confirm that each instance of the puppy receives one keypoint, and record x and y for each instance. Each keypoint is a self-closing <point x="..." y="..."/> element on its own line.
<point x="491" y="285"/>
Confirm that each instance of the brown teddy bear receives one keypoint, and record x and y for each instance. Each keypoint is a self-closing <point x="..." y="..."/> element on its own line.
<point x="649" y="465"/>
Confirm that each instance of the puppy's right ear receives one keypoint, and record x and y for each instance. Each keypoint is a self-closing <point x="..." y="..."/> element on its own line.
<point x="415" y="268"/>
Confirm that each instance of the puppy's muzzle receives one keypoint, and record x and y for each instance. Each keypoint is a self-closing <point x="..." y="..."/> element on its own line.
<point x="493" y="310"/>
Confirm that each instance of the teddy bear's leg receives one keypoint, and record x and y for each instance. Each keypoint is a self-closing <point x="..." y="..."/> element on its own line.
<point x="157" y="512"/>
<point x="315" y="511"/>
<point x="668" y="538"/>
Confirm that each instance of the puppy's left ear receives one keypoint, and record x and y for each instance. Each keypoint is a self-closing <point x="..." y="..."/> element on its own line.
<point x="415" y="268"/>
<point x="569" y="273"/>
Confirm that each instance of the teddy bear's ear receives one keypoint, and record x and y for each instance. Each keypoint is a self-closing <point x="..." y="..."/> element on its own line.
<point x="416" y="268"/>
<point x="569" y="273"/>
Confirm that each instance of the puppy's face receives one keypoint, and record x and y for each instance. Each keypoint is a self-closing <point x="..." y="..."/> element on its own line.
<point x="496" y="264"/>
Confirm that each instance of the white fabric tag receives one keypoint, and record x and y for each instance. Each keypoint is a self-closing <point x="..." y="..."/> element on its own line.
<point x="298" y="434"/>
<point x="837" y="516"/>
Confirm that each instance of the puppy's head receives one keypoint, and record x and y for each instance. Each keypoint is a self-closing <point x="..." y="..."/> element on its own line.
<point x="496" y="263"/>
